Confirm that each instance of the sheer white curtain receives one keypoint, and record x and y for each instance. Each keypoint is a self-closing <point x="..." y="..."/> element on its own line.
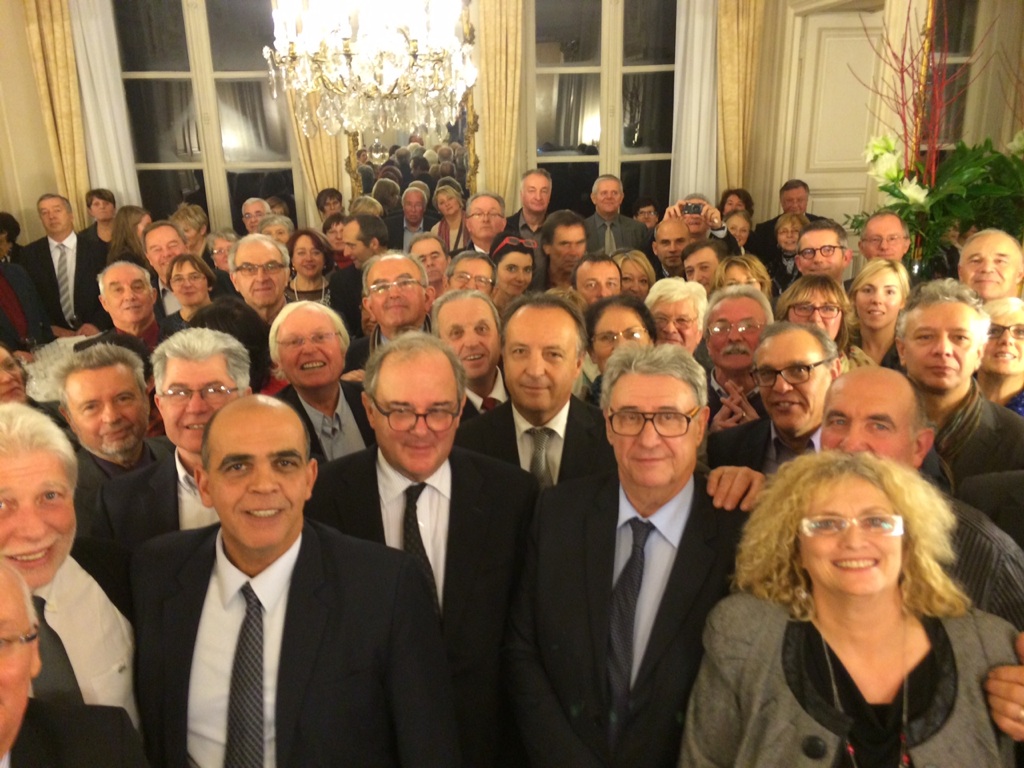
<point x="108" y="137"/>
<point x="695" y="117"/>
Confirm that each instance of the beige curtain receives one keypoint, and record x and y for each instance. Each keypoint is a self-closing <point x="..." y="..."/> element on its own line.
<point x="497" y="92"/>
<point x="53" y="61"/>
<point x="321" y="156"/>
<point x="740" y="27"/>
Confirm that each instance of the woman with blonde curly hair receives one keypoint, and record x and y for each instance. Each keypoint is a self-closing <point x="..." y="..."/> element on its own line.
<point x="819" y="300"/>
<point x="849" y="643"/>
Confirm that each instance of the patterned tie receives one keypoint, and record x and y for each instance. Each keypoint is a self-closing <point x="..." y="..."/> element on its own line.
<point x="56" y="681"/>
<point x="609" y="239"/>
<point x="412" y="541"/>
<point x="244" y="747"/>
<point x="539" y="458"/>
<point x="620" y="618"/>
<point x="67" y="299"/>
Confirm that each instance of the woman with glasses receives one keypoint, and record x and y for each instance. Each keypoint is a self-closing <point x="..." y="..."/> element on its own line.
<point x="311" y="265"/>
<point x="612" y="322"/>
<point x="819" y="300"/>
<point x="452" y="226"/>
<point x="1001" y="376"/>
<point x="637" y="272"/>
<point x="879" y="293"/>
<point x="848" y="645"/>
<point x="513" y="267"/>
<point x="191" y="282"/>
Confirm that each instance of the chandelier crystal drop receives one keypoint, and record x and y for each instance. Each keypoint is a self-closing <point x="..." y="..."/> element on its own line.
<point x="371" y="66"/>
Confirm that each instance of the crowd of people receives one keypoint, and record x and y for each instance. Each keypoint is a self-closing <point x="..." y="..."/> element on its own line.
<point x="435" y="484"/>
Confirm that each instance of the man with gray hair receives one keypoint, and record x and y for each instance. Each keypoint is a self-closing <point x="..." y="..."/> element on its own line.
<point x="412" y="220"/>
<point x="197" y="371"/>
<point x="462" y="517"/>
<point x="103" y="398"/>
<point x="127" y="294"/>
<point x="470" y="270"/>
<point x="940" y="338"/>
<point x="485" y="218"/>
<point x="259" y="272"/>
<point x="608" y="230"/>
<point x="991" y="263"/>
<point x="254" y="209"/>
<point x="621" y="571"/>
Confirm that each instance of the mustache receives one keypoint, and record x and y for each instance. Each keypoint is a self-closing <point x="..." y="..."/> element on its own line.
<point x="736" y="349"/>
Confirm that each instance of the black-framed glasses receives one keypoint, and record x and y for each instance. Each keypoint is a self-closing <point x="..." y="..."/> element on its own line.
<point x="805" y="310"/>
<point x="404" y="285"/>
<point x="404" y="419"/>
<point x="608" y="338"/>
<point x="995" y="332"/>
<point x="251" y="270"/>
<point x="743" y="326"/>
<point x="826" y="251"/>
<point x="9" y="643"/>
<point x="666" y="423"/>
<point x="791" y="374"/>
<point x="834" y="525"/>
<point x="215" y="394"/>
<point x="464" y="278"/>
<point x="316" y="339"/>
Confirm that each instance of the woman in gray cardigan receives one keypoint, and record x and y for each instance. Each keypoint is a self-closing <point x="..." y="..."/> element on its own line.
<point x="850" y="646"/>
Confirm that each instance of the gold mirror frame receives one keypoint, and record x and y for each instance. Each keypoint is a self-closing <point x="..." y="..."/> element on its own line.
<point x="472" y="126"/>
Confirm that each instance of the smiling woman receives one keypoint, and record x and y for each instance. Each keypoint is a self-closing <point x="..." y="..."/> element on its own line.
<point x="1001" y="375"/>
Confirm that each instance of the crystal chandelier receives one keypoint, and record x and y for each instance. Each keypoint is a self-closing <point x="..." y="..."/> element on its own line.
<point x="392" y="63"/>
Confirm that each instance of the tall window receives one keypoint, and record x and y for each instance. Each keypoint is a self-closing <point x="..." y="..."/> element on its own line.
<point x="604" y="92"/>
<point x="204" y="126"/>
<point x="955" y="24"/>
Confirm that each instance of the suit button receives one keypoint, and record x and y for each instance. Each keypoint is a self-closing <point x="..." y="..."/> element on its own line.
<point x="814" y="747"/>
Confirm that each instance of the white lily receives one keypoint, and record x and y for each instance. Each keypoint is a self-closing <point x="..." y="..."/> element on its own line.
<point x="878" y="146"/>
<point x="886" y="168"/>
<point x="914" y="192"/>
<point x="1016" y="145"/>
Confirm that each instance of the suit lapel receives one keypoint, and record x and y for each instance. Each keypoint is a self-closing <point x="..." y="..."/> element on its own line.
<point x="468" y="524"/>
<point x="505" y="434"/>
<point x="165" y="515"/>
<point x="581" y="438"/>
<point x="357" y="503"/>
<point x="599" y="546"/>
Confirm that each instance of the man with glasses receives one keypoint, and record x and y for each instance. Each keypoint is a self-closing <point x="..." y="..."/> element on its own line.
<point x="428" y="248"/>
<point x="467" y="321"/>
<point x="469" y="271"/>
<point x="197" y="372"/>
<point x="462" y="517"/>
<point x="254" y="209"/>
<point x="793" y="368"/>
<point x="885" y="236"/>
<point x="822" y="250"/>
<point x="621" y="571"/>
<point x="485" y="218"/>
<point x="308" y="342"/>
<point x="733" y="323"/>
<point x="991" y="264"/>
<point x="259" y="272"/>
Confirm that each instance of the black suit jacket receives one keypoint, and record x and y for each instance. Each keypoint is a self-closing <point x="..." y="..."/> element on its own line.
<point x="139" y="505"/>
<point x="558" y="639"/>
<point x="996" y="445"/>
<point x="395" y="223"/>
<point x="346" y="289"/>
<point x="1000" y="495"/>
<point x="107" y="562"/>
<point x="352" y="393"/>
<point x="38" y="329"/>
<point x="585" y="448"/>
<point x="490" y="508"/>
<point x="89" y="262"/>
<point x="55" y="736"/>
<point x="633" y="234"/>
<point x="745" y="445"/>
<point x="362" y="677"/>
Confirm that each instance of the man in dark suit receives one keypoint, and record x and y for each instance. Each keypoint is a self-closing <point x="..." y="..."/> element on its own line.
<point x="607" y="229"/>
<point x="542" y="428"/>
<point x="793" y="198"/>
<point x="78" y="310"/>
<point x="364" y="237"/>
<point x="472" y="512"/>
<point x="196" y="372"/>
<point x="80" y="588"/>
<point x="468" y="322"/>
<point x="621" y="571"/>
<point x="308" y="343"/>
<point x="411" y="221"/>
<point x="793" y="368"/>
<point x="337" y="635"/>
<point x="998" y="495"/>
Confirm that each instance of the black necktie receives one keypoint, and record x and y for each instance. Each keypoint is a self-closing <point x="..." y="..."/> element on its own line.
<point x="56" y="681"/>
<point x="412" y="541"/>
<point x="244" y="748"/>
<point x="621" y="616"/>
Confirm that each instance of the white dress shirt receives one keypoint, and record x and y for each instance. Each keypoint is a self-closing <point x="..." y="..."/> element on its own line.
<point x="71" y="244"/>
<point x="213" y="657"/>
<point x="98" y="639"/>
<point x="432" y="513"/>
<point x="168" y="299"/>
<point x="192" y="513"/>
<point x="497" y="392"/>
<point x="554" y="451"/>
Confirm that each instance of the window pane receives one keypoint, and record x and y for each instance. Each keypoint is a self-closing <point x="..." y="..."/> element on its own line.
<point x="648" y="178"/>
<point x="163" y="191"/>
<point x="569" y="32"/>
<point x="238" y="31"/>
<point x="568" y="114"/>
<point x="957" y="35"/>
<point x="246" y="184"/>
<point x="647" y="112"/>
<point x="951" y="128"/>
<point x="649" y="43"/>
<point x="571" y="184"/>
<point x="151" y="34"/>
<point x="163" y="119"/>
<point x="252" y="124"/>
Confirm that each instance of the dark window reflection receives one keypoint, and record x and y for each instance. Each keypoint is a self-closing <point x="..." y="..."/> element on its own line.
<point x="571" y="184"/>
<point x="568" y="114"/>
<point x="647" y="112"/>
<point x="252" y="124"/>
<point x="245" y="184"/>
<point x="163" y="120"/>
<point x="650" y="43"/>
<point x="238" y="31"/>
<point x="568" y="32"/>
<point x="164" y="191"/>
<point x="151" y="35"/>
<point x="646" y="178"/>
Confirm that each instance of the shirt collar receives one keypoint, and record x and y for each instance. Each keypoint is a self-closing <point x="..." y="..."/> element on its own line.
<point x="185" y="478"/>
<point x="557" y="422"/>
<point x="70" y="241"/>
<point x="815" y="439"/>
<point x="497" y="392"/>
<point x="269" y="585"/>
<point x="670" y="519"/>
<point x="392" y="483"/>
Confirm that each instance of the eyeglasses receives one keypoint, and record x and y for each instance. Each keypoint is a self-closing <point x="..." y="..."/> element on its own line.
<point x="220" y="251"/>
<point x="513" y="241"/>
<point x="995" y="332"/>
<point x="8" y="644"/>
<point x="610" y="337"/>
<point x="404" y="285"/>
<point x="316" y="339"/>
<point x="250" y="216"/>
<point x="646" y="214"/>
<point x="806" y="309"/>
<point x="215" y="394"/>
<point x="486" y="215"/>
<point x="682" y="321"/>
<point x="463" y="278"/>
<point x="251" y="270"/>
<point x="405" y="419"/>
<point x="826" y="251"/>
<point x="11" y="366"/>
<point x="191" y="279"/>
<point x="834" y="525"/>
<point x="890" y="240"/>
<point x="666" y="423"/>
<point x="743" y="326"/>
<point x="791" y="374"/>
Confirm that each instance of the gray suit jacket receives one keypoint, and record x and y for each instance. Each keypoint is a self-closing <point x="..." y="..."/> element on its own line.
<point x="743" y="713"/>
<point x="629" y="233"/>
